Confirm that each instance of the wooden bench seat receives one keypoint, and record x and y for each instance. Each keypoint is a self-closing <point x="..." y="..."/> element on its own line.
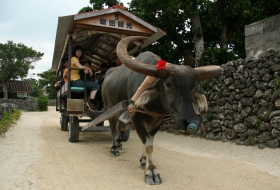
<point x="63" y="90"/>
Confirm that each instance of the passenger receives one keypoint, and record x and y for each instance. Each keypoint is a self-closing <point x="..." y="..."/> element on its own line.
<point x="76" y="78"/>
<point x="64" y="79"/>
<point x="83" y="74"/>
<point x="103" y="69"/>
<point x="65" y="71"/>
<point x="148" y="82"/>
<point x="97" y="74"/>
<point x="93" y="78"/>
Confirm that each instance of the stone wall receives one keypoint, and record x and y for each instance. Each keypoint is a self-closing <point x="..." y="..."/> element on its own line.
<point x="24" y="105"/>
<point x="7" y="107"/>
<point x="244" y="101"/>
<point x="262" y="35"/>
<point x="52" y="102"/>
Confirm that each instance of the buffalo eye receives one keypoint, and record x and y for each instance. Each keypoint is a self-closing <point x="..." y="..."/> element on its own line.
<point x="168" y="85"/>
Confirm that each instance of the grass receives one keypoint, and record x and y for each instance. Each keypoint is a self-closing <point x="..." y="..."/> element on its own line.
<point x="8" y="120"/>
<point x="277" y="83"/>
<point x="253" y="138"/>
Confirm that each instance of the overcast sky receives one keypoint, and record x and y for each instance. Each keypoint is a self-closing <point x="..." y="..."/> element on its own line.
<point x="34" y="23"/>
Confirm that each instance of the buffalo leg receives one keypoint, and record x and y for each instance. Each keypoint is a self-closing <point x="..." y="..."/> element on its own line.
<point x="115" y="126"/>
<point x="143" y="161"/>
<point x="152" y="132"/>
<point x="151" y="175"/>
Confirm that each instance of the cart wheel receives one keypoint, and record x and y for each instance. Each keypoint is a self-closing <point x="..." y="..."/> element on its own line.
<point x="73" y="129"/>
<point x="125" y="134"/>
<point x="64" y="119"/>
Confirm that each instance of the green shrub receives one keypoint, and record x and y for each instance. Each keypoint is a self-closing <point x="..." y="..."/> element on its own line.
<point x="217" y="56"/>
<point x="43" y="103"/>
<point x="277" y="83"/>
<point x="8" y="120"/>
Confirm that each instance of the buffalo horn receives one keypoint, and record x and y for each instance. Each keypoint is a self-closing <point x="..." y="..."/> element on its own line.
<point x="207" y="72"/>
<point x="150" y="70"/>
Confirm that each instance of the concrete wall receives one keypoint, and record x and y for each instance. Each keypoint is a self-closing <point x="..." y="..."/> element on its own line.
<point x="262" y="35"/>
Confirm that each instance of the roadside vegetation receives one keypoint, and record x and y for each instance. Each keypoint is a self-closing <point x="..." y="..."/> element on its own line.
<point x="8" y="120"/>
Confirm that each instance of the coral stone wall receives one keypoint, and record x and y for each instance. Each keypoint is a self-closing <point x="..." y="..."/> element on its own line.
<point x="244" y="101"/>
<point x="52" y="102"/>
<point x="24" y="105"/>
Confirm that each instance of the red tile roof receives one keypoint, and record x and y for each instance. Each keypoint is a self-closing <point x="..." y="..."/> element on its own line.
<point x="18" y="86"/>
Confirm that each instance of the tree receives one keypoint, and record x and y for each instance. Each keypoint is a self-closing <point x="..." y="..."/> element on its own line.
<point x="224" y="21"/>
<point x="37" y="90"/>
<point x="192" y="24"/>
<point x="100" y="4"/>
<point x="180" y="20"/>
<point x="15" y="61"/>
<point x="85" y="9"/>
<point x="197" y="28"/>
<point x="47" y="81"/>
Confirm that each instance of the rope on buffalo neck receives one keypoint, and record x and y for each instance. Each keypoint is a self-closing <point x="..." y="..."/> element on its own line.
<point x="132" y="111"/>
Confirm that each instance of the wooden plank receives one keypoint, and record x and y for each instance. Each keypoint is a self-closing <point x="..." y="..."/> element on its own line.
<point x="106" y="115"/>
<point x="98" y="128"/>
<point x="75" y="104"/>
<point x="62" y="90"/>
<point x="112" y="30"/>
<point x="114" y="21"/>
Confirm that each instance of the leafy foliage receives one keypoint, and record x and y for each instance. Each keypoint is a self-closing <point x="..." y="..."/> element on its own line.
<point x="37" y="90"/>
<point x="47" y="81"/>
<point x="165" y="15"/>
<point x="100" y="4"/>
<point x="222" y="22"/>
<point x="277" y="83"/>
<point x="233" y="16"/>
<point x="43" y="103"/>
<point x="15" y="61"/>
<point x="218" y="18"/>
<point x="8" y="120"/>
<point x="85" y="9"/>
<point x="217" y="56"/>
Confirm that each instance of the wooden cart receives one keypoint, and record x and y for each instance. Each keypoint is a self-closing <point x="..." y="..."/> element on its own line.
<point x="98" y="32"/>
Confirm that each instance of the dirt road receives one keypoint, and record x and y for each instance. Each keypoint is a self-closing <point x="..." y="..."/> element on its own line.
<point x="35" y="154"/>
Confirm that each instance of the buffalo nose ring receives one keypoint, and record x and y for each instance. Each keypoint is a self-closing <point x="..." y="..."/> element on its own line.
<point x="192" y="128"/>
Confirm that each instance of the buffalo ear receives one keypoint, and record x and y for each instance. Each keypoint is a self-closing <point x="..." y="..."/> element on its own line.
<point x="155" y="86"/>
<point x="146" y="97"/>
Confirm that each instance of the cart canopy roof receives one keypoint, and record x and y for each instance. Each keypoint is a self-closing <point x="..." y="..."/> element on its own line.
<point x="99" y="32"/>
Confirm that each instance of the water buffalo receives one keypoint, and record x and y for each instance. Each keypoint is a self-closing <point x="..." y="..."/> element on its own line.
<point x="173" y="93"/>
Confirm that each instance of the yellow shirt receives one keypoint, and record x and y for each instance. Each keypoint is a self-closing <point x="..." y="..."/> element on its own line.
<point x="75" y="75"/>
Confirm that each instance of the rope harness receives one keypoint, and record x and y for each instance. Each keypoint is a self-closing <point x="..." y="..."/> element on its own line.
<point x="132" y="111"/>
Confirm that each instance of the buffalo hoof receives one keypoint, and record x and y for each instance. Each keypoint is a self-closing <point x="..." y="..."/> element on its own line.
<point x="157" y="179"/>
<point x="153" y="180"/>
<point x="114" y="151"/>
